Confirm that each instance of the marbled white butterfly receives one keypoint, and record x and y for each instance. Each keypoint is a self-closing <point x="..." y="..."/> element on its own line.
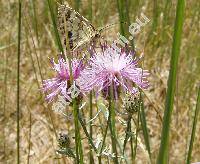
<point x="80" y="31"/>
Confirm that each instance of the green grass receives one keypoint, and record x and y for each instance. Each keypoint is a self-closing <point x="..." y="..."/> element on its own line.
<point x="171" y="86"/>
<point x="53" y="18"/>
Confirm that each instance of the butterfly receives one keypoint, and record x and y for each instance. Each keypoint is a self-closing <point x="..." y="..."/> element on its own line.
<point x="80" y="32"/>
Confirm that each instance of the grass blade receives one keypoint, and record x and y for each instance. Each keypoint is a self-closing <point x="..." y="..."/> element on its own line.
<point x="120" y="6"/>
<point x="128" y="3"/>
<point x="194" y="128"/>
<point x="163" y="152"/>
<point x="144" y="126"/>
<point x="18" y="81"/>
<point x="58" y="41"/>
<point x="35" y="20"/>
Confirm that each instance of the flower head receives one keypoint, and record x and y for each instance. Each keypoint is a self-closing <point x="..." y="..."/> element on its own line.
<point x="108" y="67"/>
<point x="60" y="83"/>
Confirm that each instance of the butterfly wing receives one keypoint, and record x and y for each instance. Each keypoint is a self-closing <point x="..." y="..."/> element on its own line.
<point x="79" y="30"/>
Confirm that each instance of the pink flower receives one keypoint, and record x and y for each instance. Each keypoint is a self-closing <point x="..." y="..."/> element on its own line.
<point x="110" y="67"/>
<point x="60" y="83"/>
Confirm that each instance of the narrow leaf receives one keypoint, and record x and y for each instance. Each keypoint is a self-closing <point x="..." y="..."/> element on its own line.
<point x="163" y="152"/>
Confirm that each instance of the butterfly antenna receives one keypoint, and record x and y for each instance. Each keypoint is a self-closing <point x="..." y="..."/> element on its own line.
<point x="111" y="25"/>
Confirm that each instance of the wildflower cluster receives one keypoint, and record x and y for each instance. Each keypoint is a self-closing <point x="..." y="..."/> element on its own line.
<point x="104" y="69"/>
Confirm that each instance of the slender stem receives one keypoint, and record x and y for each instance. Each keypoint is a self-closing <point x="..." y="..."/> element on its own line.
<point x="58" y="41"/>
<point x="90" y="124"/>
<point x="104" y="138"/>
<point x="144" y="125"/>
<point x="127" y="133"/>
<point x="78" y="144"/>
<point x="127" y="3"/>
<point x="86" y="133"/>
<point x="194" y="128"/>
<point x="29" y="139"/>
<point x="120" y="8"/>
<point x="136" y="136"/>
<point x="131" y="142"/>
<point x="164" y="146"/>
<point x="18" y="82"/>
<point x="77" y="133"/>
<point x="4" y="104"/>
<point x="112" y="123"/>
<point x="35" y="21"/>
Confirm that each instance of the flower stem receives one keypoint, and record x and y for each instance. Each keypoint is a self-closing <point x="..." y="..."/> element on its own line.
<point x="128" y="130"/>
<point x="78" y="144"/>
<point x="136" y="136"/>
<point x="112" y="123"/>
<point x="104" y="139"/>
<point x="79" y="151"/>
<point x="91" y="113"/>
<point x="86" y="133"/>
<point x="131" y="142"/>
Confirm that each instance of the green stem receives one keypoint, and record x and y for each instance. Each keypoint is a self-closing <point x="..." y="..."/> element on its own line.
<point x="18" y="82"/>
<point x="35" y="21"/>
<point x="29" y="138"/>
<point x="75" y="113"/>
<point x="163" y="152"/>
<point x="78" y="144"/>
<point x="136" y="136"/>
<point x="194" y="128"/>
<point x="90" y="124"/>
<point x="112" y="123"/>
<point x="144" y="125"/>
<point x="104" y="138"/>
<point x="5" y="103"/>
<point x="58" y="41"/>
<point x="86" y="133"/>
<point x="120" y="7"/>
<point x="127" y="3"/>
<point x="128" y="128"/>
<point x="132" y="149"/>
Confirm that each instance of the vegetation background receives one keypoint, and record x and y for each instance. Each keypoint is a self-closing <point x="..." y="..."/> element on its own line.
<point x="39" y="125"/>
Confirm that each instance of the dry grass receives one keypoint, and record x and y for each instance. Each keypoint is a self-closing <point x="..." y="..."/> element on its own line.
<point x="39" y="124"/>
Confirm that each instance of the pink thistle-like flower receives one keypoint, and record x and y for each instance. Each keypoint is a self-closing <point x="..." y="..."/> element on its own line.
<point x="108" y="67"/>
<point x="60" y="83"/>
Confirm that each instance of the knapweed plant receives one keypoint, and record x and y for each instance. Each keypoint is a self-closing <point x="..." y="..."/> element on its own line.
<point x="115" y="81"/>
